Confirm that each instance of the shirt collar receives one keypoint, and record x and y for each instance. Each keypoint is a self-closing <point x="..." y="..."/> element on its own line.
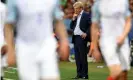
<point x="81" y="12"/>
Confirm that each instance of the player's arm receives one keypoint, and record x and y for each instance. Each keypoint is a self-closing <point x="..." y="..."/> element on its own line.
<point x="95" y="25"/>
<point x="94" y="36"/>
<point x="127" y="28"/>
<point x="95" y="51"/>
<point x="95" y="30"/>
<point x="9" y="32"/>
<point x="9" y="37"/>
<point x="63" y="41"/>
<point x="62" y="34"/>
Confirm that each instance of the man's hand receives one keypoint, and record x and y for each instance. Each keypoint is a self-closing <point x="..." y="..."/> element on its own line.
<point x="74" y="16"/>
<point x="64" y="50"/>
<point x="120" y="40"/>
<point x="84" y="35"/>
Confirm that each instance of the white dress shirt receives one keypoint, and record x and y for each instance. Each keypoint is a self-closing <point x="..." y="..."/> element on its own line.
<point x="77" y="30"/>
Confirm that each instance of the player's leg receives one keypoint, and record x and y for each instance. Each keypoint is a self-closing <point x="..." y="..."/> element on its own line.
<point x="123" y="75"/>
<point x="26" y="63"/>
<point x="125" y="61"/>
<point x="50" y="69"/>
<point x="115" y="71"/>
<point x="47" y="59"/>
<point x="110" y="55"/>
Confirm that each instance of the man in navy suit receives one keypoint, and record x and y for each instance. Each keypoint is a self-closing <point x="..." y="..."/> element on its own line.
<point x="80" y="25"/>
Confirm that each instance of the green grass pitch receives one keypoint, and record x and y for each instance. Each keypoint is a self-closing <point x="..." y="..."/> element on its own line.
<point x="68" y="70"/>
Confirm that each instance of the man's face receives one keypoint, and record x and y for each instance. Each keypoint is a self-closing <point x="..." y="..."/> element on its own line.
<point x="77" y="10"/>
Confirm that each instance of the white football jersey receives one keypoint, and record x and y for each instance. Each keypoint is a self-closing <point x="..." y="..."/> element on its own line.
<point x="112" y="15"/>
<point x="2" y="22"/>
<point x="33" y="18"/>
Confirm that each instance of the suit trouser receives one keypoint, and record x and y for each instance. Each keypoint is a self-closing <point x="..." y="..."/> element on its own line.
<point x="131" y="45"/>
<point x="80" y="47"/>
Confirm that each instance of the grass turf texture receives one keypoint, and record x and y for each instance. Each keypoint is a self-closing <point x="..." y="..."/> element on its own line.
<point x="68" y="70"/>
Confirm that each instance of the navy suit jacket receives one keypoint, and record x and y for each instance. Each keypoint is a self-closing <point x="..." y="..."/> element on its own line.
<point x="85" y="25"/>
<point x="131" y="32"/>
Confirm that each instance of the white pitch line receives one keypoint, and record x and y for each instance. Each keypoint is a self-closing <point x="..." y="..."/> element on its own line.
<point x="8" y="79"/>
<point x="12" y="68"/>
<point x="9" y="72"/>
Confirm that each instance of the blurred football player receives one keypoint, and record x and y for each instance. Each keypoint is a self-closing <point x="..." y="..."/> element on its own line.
<point x="115" y="20"/>
<point x="35" y="45"/>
